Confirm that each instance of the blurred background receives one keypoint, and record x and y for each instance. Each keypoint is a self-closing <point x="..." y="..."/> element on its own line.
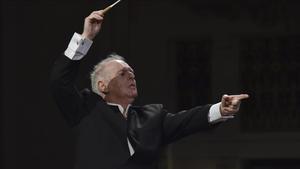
<point x="184" y="52"/>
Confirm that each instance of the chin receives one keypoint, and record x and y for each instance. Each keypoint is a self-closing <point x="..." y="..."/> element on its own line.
<point x="134" y="94"/>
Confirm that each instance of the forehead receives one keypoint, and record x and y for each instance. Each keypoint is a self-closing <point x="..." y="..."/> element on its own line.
<point x="116" y="65"/>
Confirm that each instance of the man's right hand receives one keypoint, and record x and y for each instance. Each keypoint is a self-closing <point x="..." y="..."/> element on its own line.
<point x="92" y="24"/>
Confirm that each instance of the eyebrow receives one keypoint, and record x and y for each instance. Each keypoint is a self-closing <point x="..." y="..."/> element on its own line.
<point x="126" y="69"/>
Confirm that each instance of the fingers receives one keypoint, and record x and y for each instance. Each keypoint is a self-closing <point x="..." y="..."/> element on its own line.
<point x="225" y="97"/>
<point x="230" y="110"/>
<point x="230" y="104"/>
<point x="233" y="101"/>
<point x="99" y="13"/>
<point x="92" y="24"/>
<point x="235" y="97"/>
<point x="96" y="15"/>
<point x="241" y="96"/>
<point x="226" y="100"/>
<point x="238" y="98"/>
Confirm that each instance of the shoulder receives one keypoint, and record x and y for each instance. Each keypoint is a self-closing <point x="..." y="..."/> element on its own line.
<point x="148" y="115"/>
<point x="149" y="111"/>
<point x="153" y="108"/>
<point x="91" y="99"/>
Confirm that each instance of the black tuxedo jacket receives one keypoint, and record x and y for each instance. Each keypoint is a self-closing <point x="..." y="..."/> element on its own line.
<point x="103" y="131"/>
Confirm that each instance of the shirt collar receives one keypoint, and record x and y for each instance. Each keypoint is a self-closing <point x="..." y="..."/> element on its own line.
<point x="124" y="113"/>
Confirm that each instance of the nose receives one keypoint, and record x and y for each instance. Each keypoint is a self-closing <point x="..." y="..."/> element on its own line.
<point x="131" y="75"/>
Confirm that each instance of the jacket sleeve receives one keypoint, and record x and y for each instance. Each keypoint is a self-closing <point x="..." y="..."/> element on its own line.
<point x="62" y="83"/>
<point x="184" y="123"/>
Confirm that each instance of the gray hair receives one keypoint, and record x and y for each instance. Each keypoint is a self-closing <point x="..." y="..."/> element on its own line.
<point x="99" y="74"/>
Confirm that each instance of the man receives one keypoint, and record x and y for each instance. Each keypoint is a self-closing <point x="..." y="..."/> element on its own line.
<point x="113" y="134"/>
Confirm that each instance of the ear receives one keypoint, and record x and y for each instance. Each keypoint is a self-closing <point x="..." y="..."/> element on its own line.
<point x="102" y="87"/>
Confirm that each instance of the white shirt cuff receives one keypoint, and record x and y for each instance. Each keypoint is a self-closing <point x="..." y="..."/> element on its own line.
<point x="78" y="47"/>
<point x="215" y="116"/>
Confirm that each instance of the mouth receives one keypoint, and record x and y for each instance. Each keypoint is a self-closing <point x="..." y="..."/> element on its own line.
<point x="132" y="85"/>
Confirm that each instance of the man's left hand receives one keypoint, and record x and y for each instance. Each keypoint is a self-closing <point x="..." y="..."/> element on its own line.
<point x="230" y="104"/>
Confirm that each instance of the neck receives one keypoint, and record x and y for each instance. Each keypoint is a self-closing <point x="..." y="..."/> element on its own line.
<point x="123" y="102"/>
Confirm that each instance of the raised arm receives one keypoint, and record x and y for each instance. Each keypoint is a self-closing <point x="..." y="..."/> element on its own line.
<point x="70" y="101"/>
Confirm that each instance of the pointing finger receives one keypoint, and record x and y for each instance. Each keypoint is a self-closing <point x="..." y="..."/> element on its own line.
<point x="242" y="96"/>
<point x="238" y="98"/>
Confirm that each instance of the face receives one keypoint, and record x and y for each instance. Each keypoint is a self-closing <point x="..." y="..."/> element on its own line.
<point x="121" y="81"/>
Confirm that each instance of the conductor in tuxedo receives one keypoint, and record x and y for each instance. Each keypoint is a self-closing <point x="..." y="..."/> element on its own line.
<point x="113" y="133"/>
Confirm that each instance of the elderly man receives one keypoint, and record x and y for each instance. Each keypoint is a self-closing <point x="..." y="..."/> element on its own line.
<point x="113" y="134"/>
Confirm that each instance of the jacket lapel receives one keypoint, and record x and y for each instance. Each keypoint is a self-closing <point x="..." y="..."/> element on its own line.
<point x="116" y="122"/>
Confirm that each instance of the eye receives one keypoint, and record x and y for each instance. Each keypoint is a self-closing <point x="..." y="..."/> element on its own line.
<point x="131" y="70"/>
<point x="122" y="73"/>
